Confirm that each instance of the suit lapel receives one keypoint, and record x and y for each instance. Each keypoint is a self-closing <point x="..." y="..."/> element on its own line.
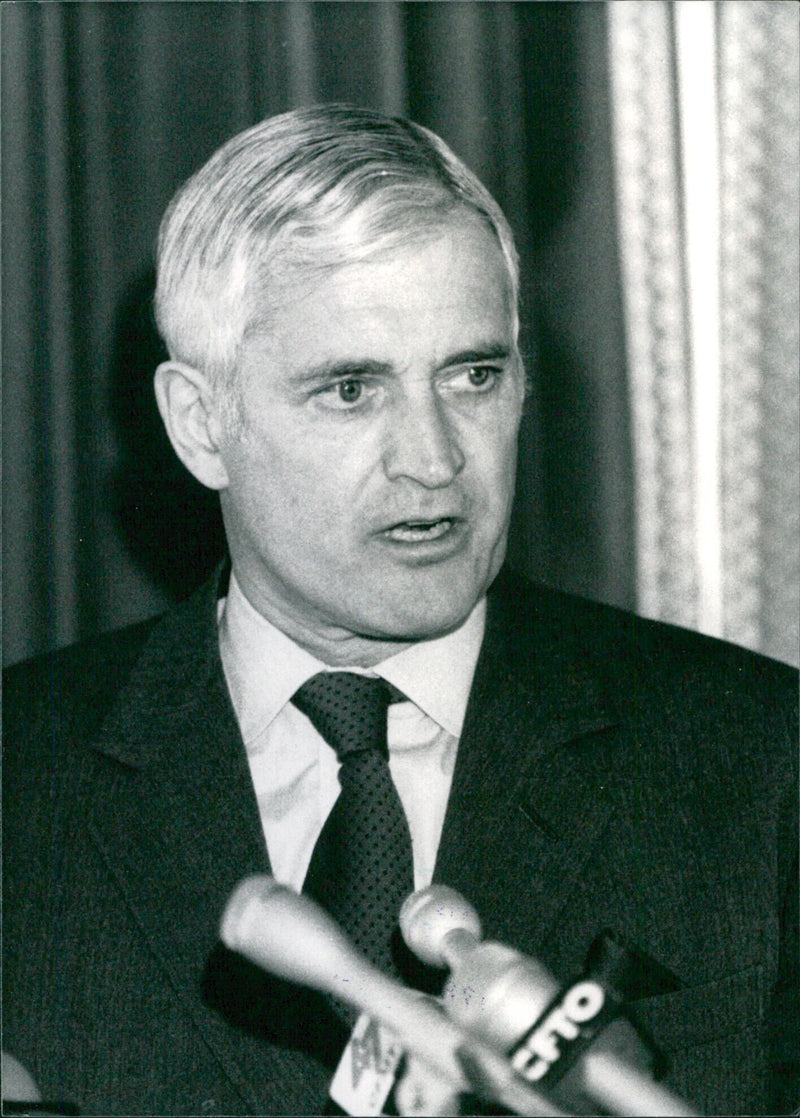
<point x="532" y="790"/>
<point x="177" y="821"/>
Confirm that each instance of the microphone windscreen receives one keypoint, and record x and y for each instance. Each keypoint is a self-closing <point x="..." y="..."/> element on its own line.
<point x="430" y="917"/>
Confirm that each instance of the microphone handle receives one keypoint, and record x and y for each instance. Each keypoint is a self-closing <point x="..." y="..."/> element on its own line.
<point x="509" y="992"/>
<point x="622" y="1089"/>
<point x="511" y="1001"/>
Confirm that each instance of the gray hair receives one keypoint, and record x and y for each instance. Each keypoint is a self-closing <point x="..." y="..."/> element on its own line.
<point x="315" y="188"/>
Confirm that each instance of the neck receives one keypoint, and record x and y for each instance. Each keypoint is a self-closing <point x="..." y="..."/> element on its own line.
<point x="350" y="650"/>
<point x="336" y="647"/>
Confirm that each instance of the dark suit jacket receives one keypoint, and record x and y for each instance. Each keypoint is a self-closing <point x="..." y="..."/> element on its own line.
<point x="612" y="773"/>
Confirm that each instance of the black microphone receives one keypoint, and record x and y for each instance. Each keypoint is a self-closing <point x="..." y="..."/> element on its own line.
<point x="568" y="1040"/>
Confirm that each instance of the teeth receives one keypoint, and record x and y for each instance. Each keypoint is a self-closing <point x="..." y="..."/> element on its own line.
<point x="414" y="531"/>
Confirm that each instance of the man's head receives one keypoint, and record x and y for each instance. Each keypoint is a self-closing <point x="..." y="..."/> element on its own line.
<point x="307" y="189"/>
<point x="338" y="295"/>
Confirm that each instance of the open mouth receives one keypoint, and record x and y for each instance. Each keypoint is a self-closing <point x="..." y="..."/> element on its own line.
<point x="420" y="531"/>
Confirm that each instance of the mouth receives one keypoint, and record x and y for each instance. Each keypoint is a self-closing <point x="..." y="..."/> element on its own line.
<point x="421" y="531"/>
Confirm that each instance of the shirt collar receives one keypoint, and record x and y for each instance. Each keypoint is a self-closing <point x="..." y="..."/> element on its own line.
<point x="264" y="667"/>
<point x="436" y="675"/>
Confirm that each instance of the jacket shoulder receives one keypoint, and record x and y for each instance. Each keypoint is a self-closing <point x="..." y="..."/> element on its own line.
<point x="644" y="664"/>
<point x="70" y="687"/>
<point x="537" y="614"/>
<point x="65" y="695"/>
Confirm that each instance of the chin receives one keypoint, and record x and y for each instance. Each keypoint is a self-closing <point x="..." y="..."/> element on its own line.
<point x="424" y="604"/>
<point x="420" y="617"/>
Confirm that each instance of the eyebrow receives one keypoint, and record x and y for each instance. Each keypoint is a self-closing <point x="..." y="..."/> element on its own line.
<point x="490" y="352"/>
<point x="340" y="370"/>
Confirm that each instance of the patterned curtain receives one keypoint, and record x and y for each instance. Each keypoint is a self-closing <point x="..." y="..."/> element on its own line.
<point x="705" y="112"/>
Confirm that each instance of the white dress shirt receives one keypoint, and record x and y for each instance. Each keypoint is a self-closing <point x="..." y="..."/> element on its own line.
<point x="295" y="771"/>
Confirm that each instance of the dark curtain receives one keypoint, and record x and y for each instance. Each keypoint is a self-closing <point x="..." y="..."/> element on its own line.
<point x="107" y="107"/>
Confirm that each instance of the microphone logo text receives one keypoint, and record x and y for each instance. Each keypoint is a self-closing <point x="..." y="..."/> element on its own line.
<point x="562" y="1024"/>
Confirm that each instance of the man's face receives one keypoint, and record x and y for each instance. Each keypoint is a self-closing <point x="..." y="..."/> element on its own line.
<point x="370" y="492"/>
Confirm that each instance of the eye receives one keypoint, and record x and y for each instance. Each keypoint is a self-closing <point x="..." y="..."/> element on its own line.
<point x="475" y="379"/>
<point x="481" y="375"/>
<point x="350" y="391"/>
<point x="347" y="394"/>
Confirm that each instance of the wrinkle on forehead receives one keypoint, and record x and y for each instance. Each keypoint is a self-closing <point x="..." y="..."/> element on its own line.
<point x="290" y="280"/>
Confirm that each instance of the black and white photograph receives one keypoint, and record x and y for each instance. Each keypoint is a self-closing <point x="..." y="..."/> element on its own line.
<point x="401" y="557"/>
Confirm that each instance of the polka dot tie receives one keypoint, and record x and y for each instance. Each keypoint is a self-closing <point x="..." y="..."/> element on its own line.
<point x="361" y="870"/>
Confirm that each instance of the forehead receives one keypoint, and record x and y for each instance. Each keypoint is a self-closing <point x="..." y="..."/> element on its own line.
<point x="426" y="292"/>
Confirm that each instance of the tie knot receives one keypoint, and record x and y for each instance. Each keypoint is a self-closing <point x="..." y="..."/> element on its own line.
<point x="347" y="709"/>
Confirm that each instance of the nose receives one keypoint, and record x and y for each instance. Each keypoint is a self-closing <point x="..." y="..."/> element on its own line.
<point x="423" y="444"/>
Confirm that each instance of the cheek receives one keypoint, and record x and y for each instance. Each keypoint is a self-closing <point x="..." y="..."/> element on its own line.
<point x="495" y="458"/>
<point x="299" y="499"/>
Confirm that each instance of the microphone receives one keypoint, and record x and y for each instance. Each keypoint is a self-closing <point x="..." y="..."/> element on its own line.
<point x="289" y="935"/>
<point x="21" y="1095"/>
<point x="568" y="1039"/>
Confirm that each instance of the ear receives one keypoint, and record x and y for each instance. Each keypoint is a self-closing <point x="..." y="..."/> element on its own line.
<point x="188" y="409"/>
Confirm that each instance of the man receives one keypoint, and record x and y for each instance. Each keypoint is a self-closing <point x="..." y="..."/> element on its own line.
<point x="338" y="294"/>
